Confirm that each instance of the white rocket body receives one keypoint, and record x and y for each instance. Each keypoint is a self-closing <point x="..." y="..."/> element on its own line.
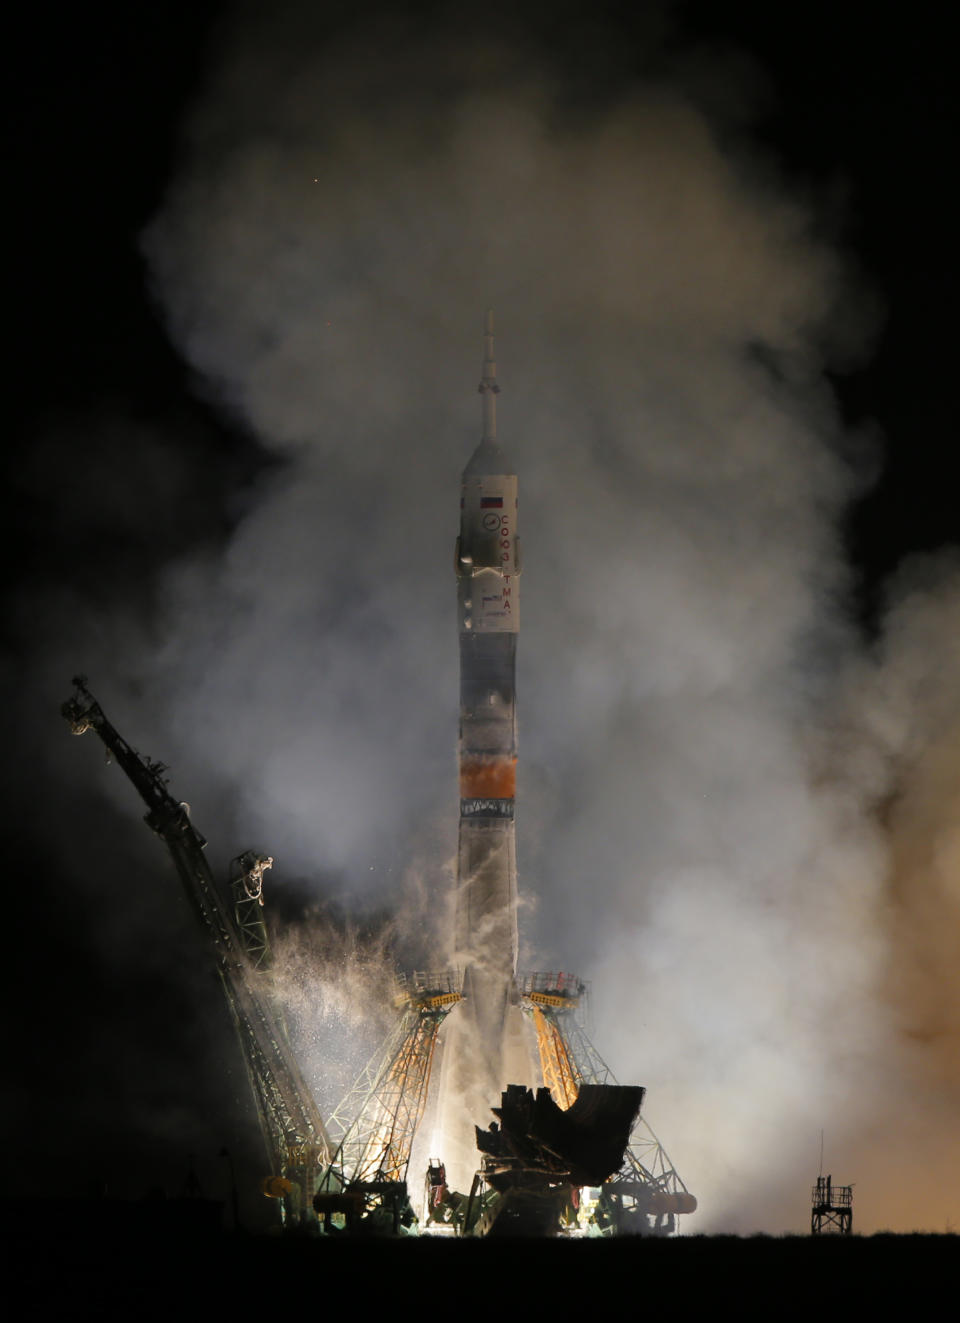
<point x="485" y="1044"/>
<point x="487" y="567"/>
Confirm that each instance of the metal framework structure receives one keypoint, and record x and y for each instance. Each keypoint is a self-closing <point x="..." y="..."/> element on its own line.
<point x="647" y="1194"/>
<point x="831" y="1210"/>
<point x="246" y="884"/>
<point x="379" y="1116"/>
<point x="294" y="1134"/>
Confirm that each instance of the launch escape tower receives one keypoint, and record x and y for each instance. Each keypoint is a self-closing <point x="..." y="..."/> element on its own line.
<point x="831" y="1211"/>
<point x="355" y="1166"/>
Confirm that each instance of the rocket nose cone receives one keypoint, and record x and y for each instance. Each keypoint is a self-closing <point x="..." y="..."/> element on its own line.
<point x="488" y="458"/>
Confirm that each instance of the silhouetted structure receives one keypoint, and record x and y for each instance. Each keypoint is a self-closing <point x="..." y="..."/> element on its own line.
<point x="832" y="1212"/>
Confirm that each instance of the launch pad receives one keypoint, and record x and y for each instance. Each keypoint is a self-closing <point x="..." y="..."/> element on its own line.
<point x="572" y="1156"/>
<point x="381" y="1115"/>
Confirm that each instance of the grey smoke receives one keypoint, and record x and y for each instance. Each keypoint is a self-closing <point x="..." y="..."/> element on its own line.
<point x="705" y="746"/>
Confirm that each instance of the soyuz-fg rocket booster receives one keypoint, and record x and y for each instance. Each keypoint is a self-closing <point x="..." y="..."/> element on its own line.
<point x="487" y="566"/>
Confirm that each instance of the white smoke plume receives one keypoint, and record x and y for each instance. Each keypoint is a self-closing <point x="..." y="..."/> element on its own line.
<point x="705" y="746"/>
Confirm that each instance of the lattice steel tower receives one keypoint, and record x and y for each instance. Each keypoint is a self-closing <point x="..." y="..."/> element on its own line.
<point x="831" y="1210"/>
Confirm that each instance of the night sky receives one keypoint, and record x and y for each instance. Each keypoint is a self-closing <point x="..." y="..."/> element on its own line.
<point x="123" y="461"/>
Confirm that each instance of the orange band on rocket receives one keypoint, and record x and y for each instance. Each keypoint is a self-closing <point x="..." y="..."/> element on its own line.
<point x="488" y="778"/>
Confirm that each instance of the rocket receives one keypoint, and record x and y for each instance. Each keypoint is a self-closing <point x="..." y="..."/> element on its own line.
<point x="487" y="562"/>
<point x="486" y="1044"/>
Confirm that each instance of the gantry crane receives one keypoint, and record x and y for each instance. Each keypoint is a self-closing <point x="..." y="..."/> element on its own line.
<point x="646" y="1194"/>
<point x="296" y="1140"/>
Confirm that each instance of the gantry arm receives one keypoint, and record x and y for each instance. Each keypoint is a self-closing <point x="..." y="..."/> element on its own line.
<point x="294" y="1132"/>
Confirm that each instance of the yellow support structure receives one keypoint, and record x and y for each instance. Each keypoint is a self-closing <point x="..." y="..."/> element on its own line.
<point x="558" y="1070"/>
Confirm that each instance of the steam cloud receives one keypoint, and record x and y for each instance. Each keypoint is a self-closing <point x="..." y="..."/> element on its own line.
<point x="736" y="819"/>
